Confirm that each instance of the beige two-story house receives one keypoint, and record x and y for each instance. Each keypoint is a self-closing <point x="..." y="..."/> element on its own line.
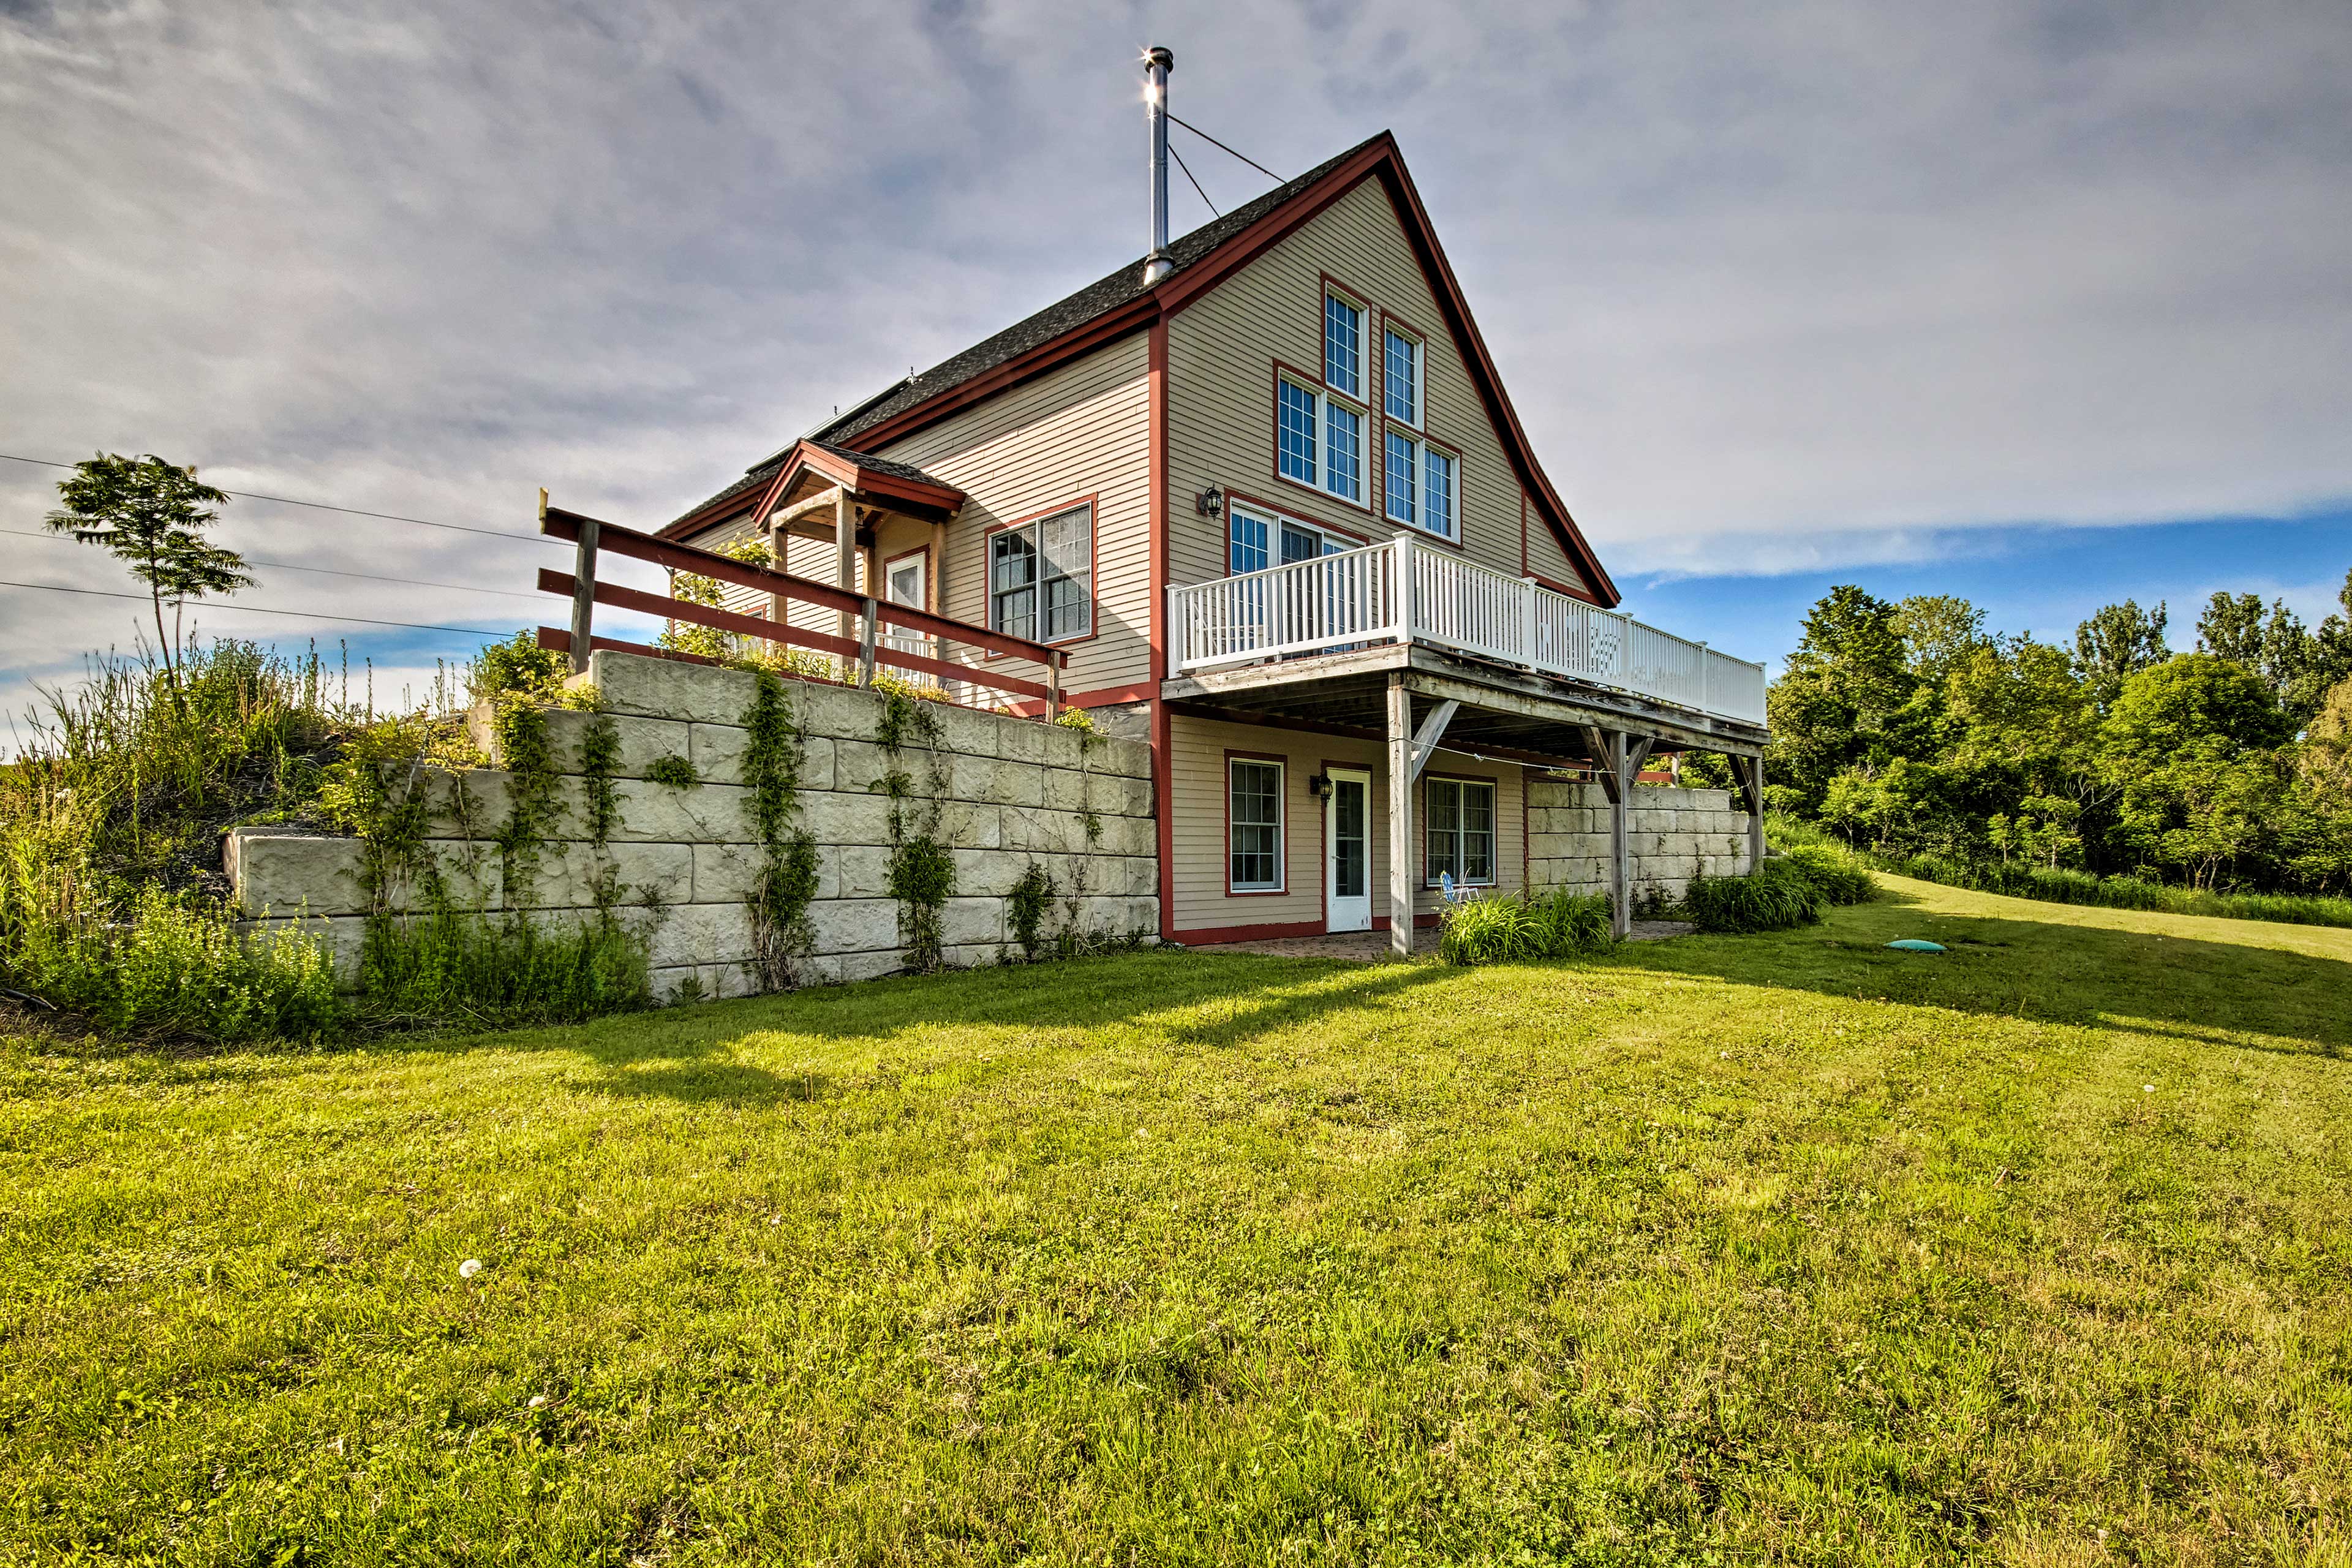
<point x="1279" y="509"/>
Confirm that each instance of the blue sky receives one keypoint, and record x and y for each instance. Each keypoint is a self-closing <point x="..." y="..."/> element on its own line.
<point x="2045" y="580"/>
<point x="1784" y="294"/>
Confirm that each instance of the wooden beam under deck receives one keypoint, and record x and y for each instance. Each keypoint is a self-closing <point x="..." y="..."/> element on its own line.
<point x="1502" y="709"/>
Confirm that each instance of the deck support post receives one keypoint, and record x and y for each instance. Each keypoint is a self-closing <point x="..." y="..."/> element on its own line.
<point x="1617" y="757"/>
<point x="1748" y="773"/>
<point x="1402" y="858"/>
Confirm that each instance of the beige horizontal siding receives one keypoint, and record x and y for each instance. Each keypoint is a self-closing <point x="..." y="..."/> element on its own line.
<point x="1197" y="808"/>
<point x="1082" y="429"/>
<point x="1221" y="352"/>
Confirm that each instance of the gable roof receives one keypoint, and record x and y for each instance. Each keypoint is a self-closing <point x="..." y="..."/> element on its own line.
<point x="1120" y="302"/>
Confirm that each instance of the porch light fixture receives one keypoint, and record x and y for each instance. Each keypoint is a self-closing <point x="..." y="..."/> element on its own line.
<point x="1320" y="786"/>
<point x="1209" y="502"/>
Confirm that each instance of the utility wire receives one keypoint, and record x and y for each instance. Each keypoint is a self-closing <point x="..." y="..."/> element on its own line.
<point x="258" y="610"/>
<point x="1196" y="184"/>
<point x="330" y="571"/>
<point x="1212" y="142"/>
<point x="322" y="506"/>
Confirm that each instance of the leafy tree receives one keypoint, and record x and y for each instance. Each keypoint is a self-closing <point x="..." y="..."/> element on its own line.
<point x="152" y="515"/>
<point x="2196" y="702"/>
<point x="2326" y="662"/>
<point x="1938" y="633"/>
<point x="2272" y="644"/>
<point x="2117" y="642"/>
<point x="2189" y="744"/>
<point x="1842" y="701"/>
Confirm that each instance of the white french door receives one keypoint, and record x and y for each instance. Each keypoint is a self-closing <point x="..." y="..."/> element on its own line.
<point x="1348" y="851"/>
<point x="904" y="582"/>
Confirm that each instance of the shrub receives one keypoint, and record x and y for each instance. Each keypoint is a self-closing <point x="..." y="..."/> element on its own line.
<point x="674" y="771"/>
<point x="1774" y="898"/>
<point x="1838" y="877"/>
<point x="1507" y="929"/>
<point x="454" y="966"/>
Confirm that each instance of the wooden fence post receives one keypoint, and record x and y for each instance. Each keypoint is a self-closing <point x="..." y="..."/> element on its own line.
<point x="584" y="590"/>
<point x="865" y="643"/>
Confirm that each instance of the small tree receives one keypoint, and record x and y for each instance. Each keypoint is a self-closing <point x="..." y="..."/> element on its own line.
<point x="151" y="515"/>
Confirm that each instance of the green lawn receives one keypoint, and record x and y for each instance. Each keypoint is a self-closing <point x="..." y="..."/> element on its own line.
<point x="1725" y="1249"/>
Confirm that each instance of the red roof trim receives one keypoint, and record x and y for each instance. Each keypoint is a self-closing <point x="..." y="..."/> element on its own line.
<point x="805" y="457"/>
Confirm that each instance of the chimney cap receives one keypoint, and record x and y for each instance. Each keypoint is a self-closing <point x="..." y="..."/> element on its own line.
<point x="1161" y="56"/>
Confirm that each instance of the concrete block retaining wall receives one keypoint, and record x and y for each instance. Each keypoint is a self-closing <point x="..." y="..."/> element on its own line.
<point x="1016" y="793"/>
<point x="1676" y="833"/>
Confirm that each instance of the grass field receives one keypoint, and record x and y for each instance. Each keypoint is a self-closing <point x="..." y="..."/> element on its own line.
<point x="1726" y="1249"/>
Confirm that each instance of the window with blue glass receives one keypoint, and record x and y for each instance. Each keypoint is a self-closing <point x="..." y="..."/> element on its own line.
<point x="1343" y="345"/>
<point x="1297" y="409"/>
<point x="1439" y="492"/>
<point x="1400" y="480"/>
<point x="1246" y="552"/>
<point x="1343" y="451"/>
<point x="1400" y="386"/>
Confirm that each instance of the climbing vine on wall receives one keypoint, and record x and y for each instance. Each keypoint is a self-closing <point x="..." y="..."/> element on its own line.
<point x="519" y="727"/>
<point x="787" y="879"/>
<point x="922" y="871"/>
<point x="599" y="758"/>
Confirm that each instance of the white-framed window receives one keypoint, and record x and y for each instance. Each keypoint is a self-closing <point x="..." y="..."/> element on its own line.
<point x="1461" y="838"/>
<point x="1041" y="576"/>
<point x="1253" y="825"/>
<point x="1343" y="345"/>
<point x="1421" y="484"/>
<point x="1256" y="539"/>
<point x="1400" y="381"/>
<point x="1318" y="439"/>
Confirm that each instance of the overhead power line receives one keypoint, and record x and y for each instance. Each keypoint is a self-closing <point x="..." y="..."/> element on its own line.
<point x="322" y="506"/>
<point x="1244" y="157"/>
<point x="261" y="610"/>
<point x="330" y="571"/>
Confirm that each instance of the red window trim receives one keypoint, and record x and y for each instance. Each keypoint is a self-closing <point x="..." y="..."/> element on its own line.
<point x="1281" y="826"/>
<point x="1091" y="501"/>
<point x="1460" y="521"/>
<point x="1422" y="847"/>
<point x="1274" y="410"/>
<point x="1417" y="335"/>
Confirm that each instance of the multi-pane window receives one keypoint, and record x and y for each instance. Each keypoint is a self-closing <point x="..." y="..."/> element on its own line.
<point x="1461" y="838"/>
<point x="1319" y="440"/>
<point x="1246" y="544"/>
<point x="1253" y="825"/>
<point x="1343" y="345"/>
<point x="1421" y="484"/>
<point x="1041" y="577"/>
<point x="1401" y="387"/>
<point x="1401" y="479"/>
<point x="1343" y="450"/>
<point x="1440" y="494"/>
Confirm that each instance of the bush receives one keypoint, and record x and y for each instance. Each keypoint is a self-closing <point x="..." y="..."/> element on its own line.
<point x="456" y="966"/>
<point x="1507" y="929"/>
<point x="1774" y="898"/>
<point x="1839" y="877"/>
<point x="180" y="970"/>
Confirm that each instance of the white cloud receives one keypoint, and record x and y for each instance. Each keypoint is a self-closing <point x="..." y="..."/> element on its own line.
<point x="1773" y="288"/>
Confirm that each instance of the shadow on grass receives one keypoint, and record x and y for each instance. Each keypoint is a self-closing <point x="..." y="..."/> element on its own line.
<point x="695" y="1053"/>
<point x="2218" y="993"/>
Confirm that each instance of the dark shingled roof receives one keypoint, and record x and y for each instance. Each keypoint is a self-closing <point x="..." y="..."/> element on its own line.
<point x="1097" y="298"/>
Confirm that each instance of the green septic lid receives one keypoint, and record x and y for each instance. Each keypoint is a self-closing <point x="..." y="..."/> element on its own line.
<point x="1912" y="945"/>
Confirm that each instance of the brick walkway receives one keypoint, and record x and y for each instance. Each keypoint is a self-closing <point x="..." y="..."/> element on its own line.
<point x="1373" y="946"/>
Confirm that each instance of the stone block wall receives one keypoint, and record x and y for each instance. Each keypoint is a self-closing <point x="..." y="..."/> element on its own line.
<point x="1676" y="835"/>
<point x="1016" y="792"/>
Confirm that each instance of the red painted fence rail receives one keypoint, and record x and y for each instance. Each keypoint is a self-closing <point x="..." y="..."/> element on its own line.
<point x="592" y="536"/>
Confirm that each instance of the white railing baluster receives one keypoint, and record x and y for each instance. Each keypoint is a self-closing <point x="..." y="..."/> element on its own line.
<point x="1407" y="592"/>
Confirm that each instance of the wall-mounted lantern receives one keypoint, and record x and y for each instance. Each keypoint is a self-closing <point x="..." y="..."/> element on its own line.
<point x="1209" y="502"/>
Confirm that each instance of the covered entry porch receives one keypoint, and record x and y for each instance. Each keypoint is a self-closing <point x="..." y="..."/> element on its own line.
<point x="1411" y="700"/>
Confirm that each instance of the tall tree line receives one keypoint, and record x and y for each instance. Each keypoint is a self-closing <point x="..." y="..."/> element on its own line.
<point x="1908" y="727"/>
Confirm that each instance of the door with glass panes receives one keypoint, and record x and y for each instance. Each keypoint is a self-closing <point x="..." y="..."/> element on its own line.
<point x="1348" y="851"/>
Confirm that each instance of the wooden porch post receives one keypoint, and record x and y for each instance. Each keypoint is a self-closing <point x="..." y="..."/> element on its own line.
<point x="1400" y="855"/>
<point x="1749" y="774"/>
<point x="583" y="588"/>
<point x="845" y="552"/>
<point x="1621" y="847"/>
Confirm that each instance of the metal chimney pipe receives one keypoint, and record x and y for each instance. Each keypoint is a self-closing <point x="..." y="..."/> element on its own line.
<point x="1157" y="63"/>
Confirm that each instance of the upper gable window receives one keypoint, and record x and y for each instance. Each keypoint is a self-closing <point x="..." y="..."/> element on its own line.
<point x="1422" y="484"/>
<point x="1343" y="345"/>
<point x="1318" y="439"/>
<point x="1041" y="577"/>
<point x="1400" y="381"/>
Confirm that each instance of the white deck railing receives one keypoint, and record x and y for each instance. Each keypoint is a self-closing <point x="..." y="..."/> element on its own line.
<point x="1338" y="602"/>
